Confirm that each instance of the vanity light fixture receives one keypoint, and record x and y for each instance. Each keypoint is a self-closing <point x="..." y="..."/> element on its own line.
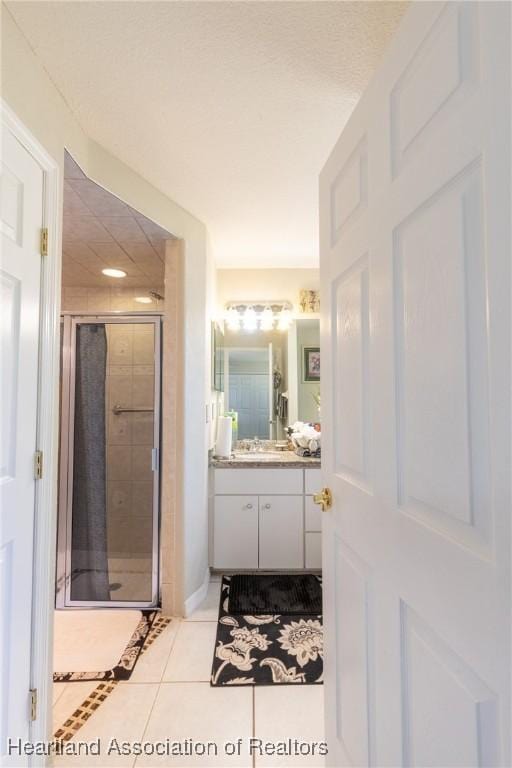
<point x="110" y="272"/>
<point x="250" y="319"/>
<point x="144" y="299"/>
<point x="233" y="319"/>
<point x="258" y="315"/>
<point x="284" y="320"/>
<point x="267" y="319"/>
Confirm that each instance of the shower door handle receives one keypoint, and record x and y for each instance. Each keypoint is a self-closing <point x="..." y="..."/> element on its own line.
<point x="154" y="459"/>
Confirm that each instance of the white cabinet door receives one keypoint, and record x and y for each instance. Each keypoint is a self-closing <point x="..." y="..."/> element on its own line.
<point x="235" y="532"/>
<point x="313" y="550"/>
<point x="281" y="532"/>
<point x="312" y="516"/>
<point x="415" y="280"/>
<point x="313" y="481"/>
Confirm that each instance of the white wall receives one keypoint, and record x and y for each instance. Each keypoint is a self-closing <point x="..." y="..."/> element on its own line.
<point x="214" y="400"/>
<point x="308" y="335"/>
<point x="29" y="92"/>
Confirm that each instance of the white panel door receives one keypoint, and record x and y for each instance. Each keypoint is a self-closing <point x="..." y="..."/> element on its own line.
<point x="415" y="270"/>
<point x="21" y="188"/>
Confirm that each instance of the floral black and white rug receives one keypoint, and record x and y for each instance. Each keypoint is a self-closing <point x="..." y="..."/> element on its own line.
<point x="266" y="649"/>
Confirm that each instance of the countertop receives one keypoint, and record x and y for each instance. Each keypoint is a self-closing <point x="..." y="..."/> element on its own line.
<point x="265" y="459"/>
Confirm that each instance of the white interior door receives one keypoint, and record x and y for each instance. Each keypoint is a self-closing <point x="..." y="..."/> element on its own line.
<point x="415" y="269"/>
<point x="21" y="212"/>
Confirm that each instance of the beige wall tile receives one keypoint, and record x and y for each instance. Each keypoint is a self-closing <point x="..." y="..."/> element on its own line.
<point x="98" y="300"/>
<point x="143" y="428"/>
<point x="143" y="345"/>
<point x="141" y="463"/>
<point x="120" y="370"/>
<point x="120" y="390"/>
<point x="143" y="391"/>
<point x="168" y="598"/>
<point x="119" y="427"/>
<point x="142" y="498"/>
<point x="120" y="497"/>
<point x="74" y="299"/>
<point x="119" y="458"/>
<point x="120" y="347"/>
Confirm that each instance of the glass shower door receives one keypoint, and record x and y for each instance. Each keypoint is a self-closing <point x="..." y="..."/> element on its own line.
<point x="110" y="536"/>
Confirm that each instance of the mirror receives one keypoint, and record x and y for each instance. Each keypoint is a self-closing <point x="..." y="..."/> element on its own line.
<point x="272" y="378"/>
<point x="217" y="357"/>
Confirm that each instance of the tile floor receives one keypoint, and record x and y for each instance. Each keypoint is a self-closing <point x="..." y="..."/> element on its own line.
<point x="169" y="697"/>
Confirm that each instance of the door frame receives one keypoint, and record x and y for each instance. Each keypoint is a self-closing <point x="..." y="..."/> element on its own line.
<point x="63" y="559"/>
<point x="41" y="662"/>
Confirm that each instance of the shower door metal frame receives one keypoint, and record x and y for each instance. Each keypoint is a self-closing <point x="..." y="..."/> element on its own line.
<point x="63" y="563"/>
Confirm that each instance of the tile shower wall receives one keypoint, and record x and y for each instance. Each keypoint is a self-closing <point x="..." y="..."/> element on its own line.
<point x="130" y="384"/>
<point x="113" y="299"/>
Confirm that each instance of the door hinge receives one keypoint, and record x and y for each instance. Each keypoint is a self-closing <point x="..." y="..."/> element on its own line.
<point x="38" y="465"/>
<point x="33" y="704"/>
<point x="44" y="241"/>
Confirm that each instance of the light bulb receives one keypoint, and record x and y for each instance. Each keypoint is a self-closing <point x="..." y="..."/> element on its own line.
<point x="267" y="319"/>
<point x="233" y="319"/>
<point x="144" y="299"/>
<point x="285" y="318"/>
<point x="250" y="320"/>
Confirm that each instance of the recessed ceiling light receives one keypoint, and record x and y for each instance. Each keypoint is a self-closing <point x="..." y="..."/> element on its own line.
<point x="143" y="299"/>
<point x="113" y="272"/>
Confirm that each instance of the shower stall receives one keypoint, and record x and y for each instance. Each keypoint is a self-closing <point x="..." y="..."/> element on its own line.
<point x="109" y="495"/>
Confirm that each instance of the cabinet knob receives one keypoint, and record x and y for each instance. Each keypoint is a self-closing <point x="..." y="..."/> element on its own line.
<point x="267" y="506"/>
<point x="248" y="506"/>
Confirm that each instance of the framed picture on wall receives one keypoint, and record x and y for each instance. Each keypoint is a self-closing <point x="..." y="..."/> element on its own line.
<point x="311" y="363"/>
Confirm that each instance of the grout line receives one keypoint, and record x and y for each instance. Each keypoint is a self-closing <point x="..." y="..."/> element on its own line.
<point x="55" y="701"/>
<point x="158" y="686"/>
<point x="164" y="666"/>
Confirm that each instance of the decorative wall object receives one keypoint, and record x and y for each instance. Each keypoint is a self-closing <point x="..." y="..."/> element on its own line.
<point x="309" y="301"/>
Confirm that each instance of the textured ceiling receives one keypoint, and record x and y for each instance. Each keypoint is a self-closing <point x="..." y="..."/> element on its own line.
<point x="230" y="108"/>
<point x="99" y="231"/>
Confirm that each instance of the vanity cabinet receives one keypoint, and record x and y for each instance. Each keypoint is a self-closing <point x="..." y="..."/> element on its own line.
<point x="262" y="518"/>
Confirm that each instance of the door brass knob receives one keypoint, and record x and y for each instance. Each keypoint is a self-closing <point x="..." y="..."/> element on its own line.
<point x="324" y="499"/>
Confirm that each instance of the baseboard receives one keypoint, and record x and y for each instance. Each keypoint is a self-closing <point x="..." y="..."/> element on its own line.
<point x="197" y="597"/>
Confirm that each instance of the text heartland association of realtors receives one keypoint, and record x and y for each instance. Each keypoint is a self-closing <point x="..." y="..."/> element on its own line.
<point x="184" y="748"/>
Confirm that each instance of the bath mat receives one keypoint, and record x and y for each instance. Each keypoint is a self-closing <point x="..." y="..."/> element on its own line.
<point x="99" y="694"/>
<point x="123" y="666"/>
<point x="266" y="648"/>
<point x="286" y="594"/>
